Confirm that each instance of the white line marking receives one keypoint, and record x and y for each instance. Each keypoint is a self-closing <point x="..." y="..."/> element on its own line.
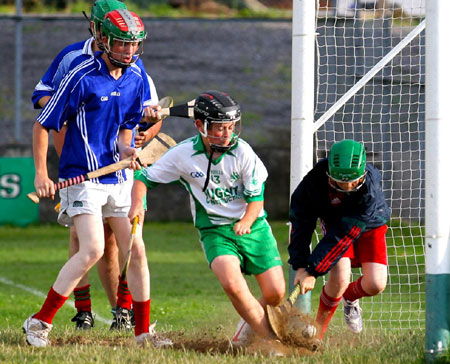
<point x="42" y="295"/>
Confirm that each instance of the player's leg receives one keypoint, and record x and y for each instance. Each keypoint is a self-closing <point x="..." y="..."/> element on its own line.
<point x="108" y="266"/>
<point x="331" y="295"/>
<point x="123" y="312"/>
<point x="90" y="233"/>
<point x="83" y="319"/>
<point x="272" y="286"/>
<point x="370" y="252"/>
<point x="228" y="270"/>
<point x="138" y="279"/>
<point x="262" y="259"/>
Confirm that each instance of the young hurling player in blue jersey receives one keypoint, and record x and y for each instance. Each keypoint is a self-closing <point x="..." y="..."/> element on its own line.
<point x="108" y="266"/>
<point x="102" y="100"/>
<point x="344" y="193"/>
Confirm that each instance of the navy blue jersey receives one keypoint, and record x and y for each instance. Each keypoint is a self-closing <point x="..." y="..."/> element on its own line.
<point x="49" y="83"/>
<point x="96" y="106"/>
<point x="345" y="215"/>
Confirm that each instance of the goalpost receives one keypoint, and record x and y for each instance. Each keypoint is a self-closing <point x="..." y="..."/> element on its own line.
<point x="365" y="60"/>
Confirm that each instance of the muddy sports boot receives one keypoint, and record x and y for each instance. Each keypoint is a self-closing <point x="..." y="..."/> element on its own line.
<point x="152" y="338"/>
<point x="37" y="332"/>
<point x="243" y="334"/>
<point x="123" y="319"/>
<point x="84" y="320"/>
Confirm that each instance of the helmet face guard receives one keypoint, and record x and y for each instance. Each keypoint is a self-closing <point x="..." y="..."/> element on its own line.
<point x="126" y="27"/>
<point x="216" y="107"/>
<point x="99" y="10"/>
<point x="347" y="164"/>
<point x="217" y="143"/>
<point x="334" y="183"/>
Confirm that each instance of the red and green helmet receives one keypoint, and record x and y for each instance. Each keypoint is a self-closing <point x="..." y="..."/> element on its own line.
<point x="126" y="26"/>
<point x="347" y="161"/>
<point x="98" y="12"/>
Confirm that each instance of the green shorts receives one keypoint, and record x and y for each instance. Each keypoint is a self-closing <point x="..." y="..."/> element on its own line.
<point x="256" y="251"/>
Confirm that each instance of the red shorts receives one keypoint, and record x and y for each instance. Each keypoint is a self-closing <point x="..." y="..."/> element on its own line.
<point x="370" y="247"/>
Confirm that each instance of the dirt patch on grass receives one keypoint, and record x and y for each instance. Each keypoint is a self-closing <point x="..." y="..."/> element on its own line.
<point x="201" y="343"/>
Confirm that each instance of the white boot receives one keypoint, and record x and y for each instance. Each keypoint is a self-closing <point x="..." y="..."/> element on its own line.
<point x="37" y="332"/>
<point x="353" y="315"/>
<point x="242" y="334"/>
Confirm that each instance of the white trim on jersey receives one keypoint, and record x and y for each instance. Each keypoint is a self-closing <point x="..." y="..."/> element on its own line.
<point x="239" y="173"/>
<point x="63" y="85"/>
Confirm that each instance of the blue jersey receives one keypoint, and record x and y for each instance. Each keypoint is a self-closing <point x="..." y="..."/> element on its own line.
<point x="96" y="107"/>
<point x="49" y="83"/>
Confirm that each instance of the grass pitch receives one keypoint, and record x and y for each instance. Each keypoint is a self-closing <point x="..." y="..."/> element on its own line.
<point x="187" y="301"/>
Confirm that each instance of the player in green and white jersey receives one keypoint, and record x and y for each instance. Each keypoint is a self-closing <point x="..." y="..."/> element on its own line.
<point x="225" y="180"/>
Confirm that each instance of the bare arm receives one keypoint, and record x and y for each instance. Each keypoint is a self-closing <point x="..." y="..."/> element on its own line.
<point x="43" y="101"/>
<point x="58" y="137"/>
<point x="244" y="226"/>
<point x="125" y="149"/>
<point x="45" y="187"/>
<point x="144" y="136"/>
<point x="137" y="205"/>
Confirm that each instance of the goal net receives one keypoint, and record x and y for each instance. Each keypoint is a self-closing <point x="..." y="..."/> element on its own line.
<point x="380" y="47"/>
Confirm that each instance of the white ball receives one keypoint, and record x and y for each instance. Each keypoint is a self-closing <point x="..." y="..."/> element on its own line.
<point x="309" y="331"/>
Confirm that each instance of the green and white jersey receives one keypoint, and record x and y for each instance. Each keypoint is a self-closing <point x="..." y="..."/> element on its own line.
<point x="236" y="178"/>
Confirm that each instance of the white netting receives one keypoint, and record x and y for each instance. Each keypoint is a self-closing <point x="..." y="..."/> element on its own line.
<point x="387" y="114"/>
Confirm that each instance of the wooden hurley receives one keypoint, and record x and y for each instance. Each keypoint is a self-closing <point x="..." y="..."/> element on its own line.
<point x="126" y="264"/>
<point x="148" y="155"/>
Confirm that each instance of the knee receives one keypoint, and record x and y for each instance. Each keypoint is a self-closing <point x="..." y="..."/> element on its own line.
<point x="232" y="288"/>
<point x="275" y="296"/>
<point x="374" y="286"/>
<point x="92" y="255"/>
<point x="138" y="253"/>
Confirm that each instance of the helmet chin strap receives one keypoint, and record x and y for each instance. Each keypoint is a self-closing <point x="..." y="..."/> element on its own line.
<point x="116" y="63"/>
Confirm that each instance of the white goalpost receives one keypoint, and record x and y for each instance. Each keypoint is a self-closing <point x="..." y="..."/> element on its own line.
<point x="365" y="61"/>
<point x="368" y="76"/>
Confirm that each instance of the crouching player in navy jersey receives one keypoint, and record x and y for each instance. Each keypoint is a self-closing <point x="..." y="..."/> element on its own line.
<point x="225" y="180"/>
<point x="108" y="266"/>
<point x="102" y="99"/>
<point x="344" y="193"/>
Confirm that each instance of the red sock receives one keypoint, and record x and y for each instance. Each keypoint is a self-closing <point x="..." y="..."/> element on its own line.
<point x="124" y="298"/>
<point x="355" y="291"/>
<point x="327" y="307"/>
<point x="52" y="304"/>
<point x="141" y="316"/>
<point x="82" y="298"/>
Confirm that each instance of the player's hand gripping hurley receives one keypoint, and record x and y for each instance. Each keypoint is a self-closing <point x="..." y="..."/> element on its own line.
<point x="126" y="264"/>
<point x="148" y="155"/>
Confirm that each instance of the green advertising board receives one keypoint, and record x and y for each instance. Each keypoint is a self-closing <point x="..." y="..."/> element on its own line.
<point x="16" y="180"/>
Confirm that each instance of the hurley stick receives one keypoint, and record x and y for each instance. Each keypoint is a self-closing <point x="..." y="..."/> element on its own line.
<point x="148" y="155"/>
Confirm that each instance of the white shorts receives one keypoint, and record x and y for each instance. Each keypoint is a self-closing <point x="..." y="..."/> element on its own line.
<point x="106" y="200"/>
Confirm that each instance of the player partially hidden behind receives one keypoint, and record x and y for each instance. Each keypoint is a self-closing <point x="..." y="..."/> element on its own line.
<point x="344" y="193"/>
<point x="102" y="98"/>
<point x="108" y="266"/>
<point x="225" y="180"/>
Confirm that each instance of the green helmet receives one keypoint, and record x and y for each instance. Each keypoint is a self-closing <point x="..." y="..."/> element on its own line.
<point x="99" y="10"/>
<point x="125" y="26"/>
<point x="347" y="161"/>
